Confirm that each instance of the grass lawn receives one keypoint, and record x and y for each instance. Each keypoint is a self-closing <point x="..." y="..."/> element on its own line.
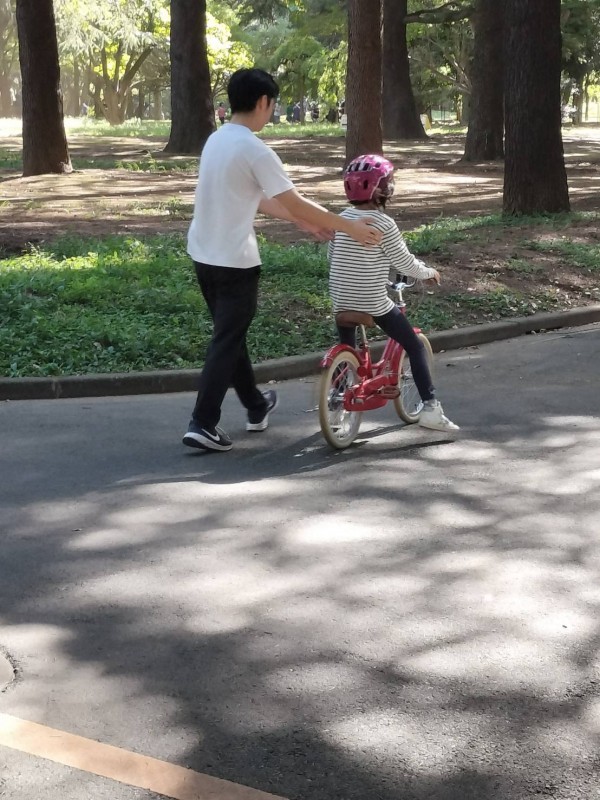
<point x="123" y="303"/>
<point x="91" y="282"/>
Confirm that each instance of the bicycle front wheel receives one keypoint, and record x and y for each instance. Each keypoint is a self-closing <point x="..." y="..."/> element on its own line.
<point x="338" y="425"/>
<point x="408" y="404"/>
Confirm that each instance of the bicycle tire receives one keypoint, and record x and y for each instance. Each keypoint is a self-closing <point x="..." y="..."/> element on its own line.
<point x="408" y="404"/>
<point x="339" y="427"/>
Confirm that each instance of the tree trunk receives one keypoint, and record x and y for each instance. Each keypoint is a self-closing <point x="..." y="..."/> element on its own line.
<point x="579" y="101"/>
<point x="76" y="88"/>
<point x="192" y="109"/>
<point x="130" y="113"/>
<point x="87" y="95"/>
<point x="401" y="118"/>
<point x="465" y="108"/>
<point x="8" y="52"/>
<point x="363" y="83"/>
<point x="114" y="103"/>
<point x="6" y="105"/>
<point x="44" y="142"/>
<point x="535" y="179"/>
<point x="141" y="103"/>
<point x="98" y="110"/>
<point x="157" y="111"/>
<point x="486" y="124"/>
<point x="302" y="100"/>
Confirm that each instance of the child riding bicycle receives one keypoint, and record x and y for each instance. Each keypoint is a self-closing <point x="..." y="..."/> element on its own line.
<point x="359" y="275"/>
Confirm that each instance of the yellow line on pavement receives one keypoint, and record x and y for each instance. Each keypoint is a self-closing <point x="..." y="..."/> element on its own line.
<point x="119" y="765"/>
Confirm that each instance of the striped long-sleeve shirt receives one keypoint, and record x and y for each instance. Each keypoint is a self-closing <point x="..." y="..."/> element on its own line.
<point x="358" y="274"/>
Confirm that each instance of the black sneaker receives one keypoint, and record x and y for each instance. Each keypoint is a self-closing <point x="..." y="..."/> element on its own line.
<point x="205" y="439"/>
<point x="262" y="422"/>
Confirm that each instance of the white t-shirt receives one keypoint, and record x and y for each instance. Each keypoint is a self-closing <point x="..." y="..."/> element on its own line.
<point x="358" y="274"/>
<point x="237" y="170"/>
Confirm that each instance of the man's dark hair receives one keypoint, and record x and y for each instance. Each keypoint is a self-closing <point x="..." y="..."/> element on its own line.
<point x="247" y="86"/>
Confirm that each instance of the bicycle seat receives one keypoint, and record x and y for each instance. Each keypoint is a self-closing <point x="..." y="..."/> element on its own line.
<point x="349" y="319"/>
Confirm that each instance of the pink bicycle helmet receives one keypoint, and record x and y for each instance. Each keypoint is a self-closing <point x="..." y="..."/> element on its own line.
<point x="369" y="177"/>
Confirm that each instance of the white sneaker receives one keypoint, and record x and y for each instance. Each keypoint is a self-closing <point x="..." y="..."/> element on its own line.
<point x="263" y="423"/>
<point x="433" y="418"/>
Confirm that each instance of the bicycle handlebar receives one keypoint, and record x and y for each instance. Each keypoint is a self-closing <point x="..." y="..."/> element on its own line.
<point x="402" y="282"/>
<point x="397" y="287"/>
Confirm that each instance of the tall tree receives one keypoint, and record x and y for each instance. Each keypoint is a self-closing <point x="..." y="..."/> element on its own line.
<point x="363" y="82"/>
<point x="192" y="109"/>
<point x="581" y="50"/>
<point x="441" y="52"/>
<point x="485" y="136"/>
<point x="401" y="118"/>
<point x="8" y="54"/>
<point x="535" y="179"/>
<point x="117" y="38"/>
<point x="44" y="141"/>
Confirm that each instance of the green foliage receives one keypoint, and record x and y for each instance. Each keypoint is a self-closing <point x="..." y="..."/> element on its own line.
<point x="225" y="53"/>
<point x="581" y="254"/>
<point x="10" y="160"/>
<point x="304" y="45"/>
<point x="142" y="128"/>
<point x="297" y="131"/>
<point x="145" y="163"/>
<point x="150" y="164"/>
<point x="448" y="230"/>
<point x="122" y="303"/>
<point x="440" y="60"/>
<point x="85" y="306"/>
<point x="303" y="41"/>
<point x="581" y="37"/>
<point x="523" y="266"/>
<point x="115" y="38"/>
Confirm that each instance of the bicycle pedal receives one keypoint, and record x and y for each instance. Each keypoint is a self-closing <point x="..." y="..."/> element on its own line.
<point x="389" y="392"/>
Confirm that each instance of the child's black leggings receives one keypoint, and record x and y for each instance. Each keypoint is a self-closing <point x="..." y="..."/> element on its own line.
<point x="395" y="325"/>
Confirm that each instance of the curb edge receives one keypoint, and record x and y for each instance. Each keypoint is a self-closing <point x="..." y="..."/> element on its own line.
<point x="280" y="369"/>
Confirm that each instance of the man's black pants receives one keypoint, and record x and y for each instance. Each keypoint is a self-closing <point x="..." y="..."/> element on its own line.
<point x="231" y="296"/>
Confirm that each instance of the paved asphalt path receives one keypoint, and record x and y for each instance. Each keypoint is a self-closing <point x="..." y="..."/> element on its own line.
<point x="416" y="618"/>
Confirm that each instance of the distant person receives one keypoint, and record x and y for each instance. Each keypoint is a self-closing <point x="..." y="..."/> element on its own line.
<point x="277" y="114"/>
<point x="314" y="112"/>
<point x="289" y="113"/>
<point x="238" y="176"/>
<point x="297" y="112"/>
<point x="221" y="113"/>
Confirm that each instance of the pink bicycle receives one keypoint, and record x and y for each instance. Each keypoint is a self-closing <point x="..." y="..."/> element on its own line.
<point x="351" y="383"/>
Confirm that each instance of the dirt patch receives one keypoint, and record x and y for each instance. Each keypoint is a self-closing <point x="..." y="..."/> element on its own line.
<point x="431" y="182"/>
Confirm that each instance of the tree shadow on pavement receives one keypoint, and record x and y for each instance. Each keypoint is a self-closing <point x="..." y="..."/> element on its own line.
<point x="403" y="622"/>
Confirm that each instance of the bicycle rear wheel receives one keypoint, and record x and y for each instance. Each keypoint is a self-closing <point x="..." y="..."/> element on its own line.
<point x="338" y="425"/>
<point x="408" y="404"/>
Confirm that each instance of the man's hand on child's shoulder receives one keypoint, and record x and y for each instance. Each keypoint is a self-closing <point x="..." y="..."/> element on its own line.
<point x="365" y="232"/>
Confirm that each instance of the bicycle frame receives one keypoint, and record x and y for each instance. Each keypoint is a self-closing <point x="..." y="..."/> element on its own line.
<point x="379" y="380"/>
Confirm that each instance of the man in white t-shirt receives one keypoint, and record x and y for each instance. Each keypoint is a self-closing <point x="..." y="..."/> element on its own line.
<point x="240" y="175"/>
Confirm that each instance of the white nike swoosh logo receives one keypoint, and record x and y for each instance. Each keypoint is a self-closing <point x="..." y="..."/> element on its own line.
<point x="214" y="438"/>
